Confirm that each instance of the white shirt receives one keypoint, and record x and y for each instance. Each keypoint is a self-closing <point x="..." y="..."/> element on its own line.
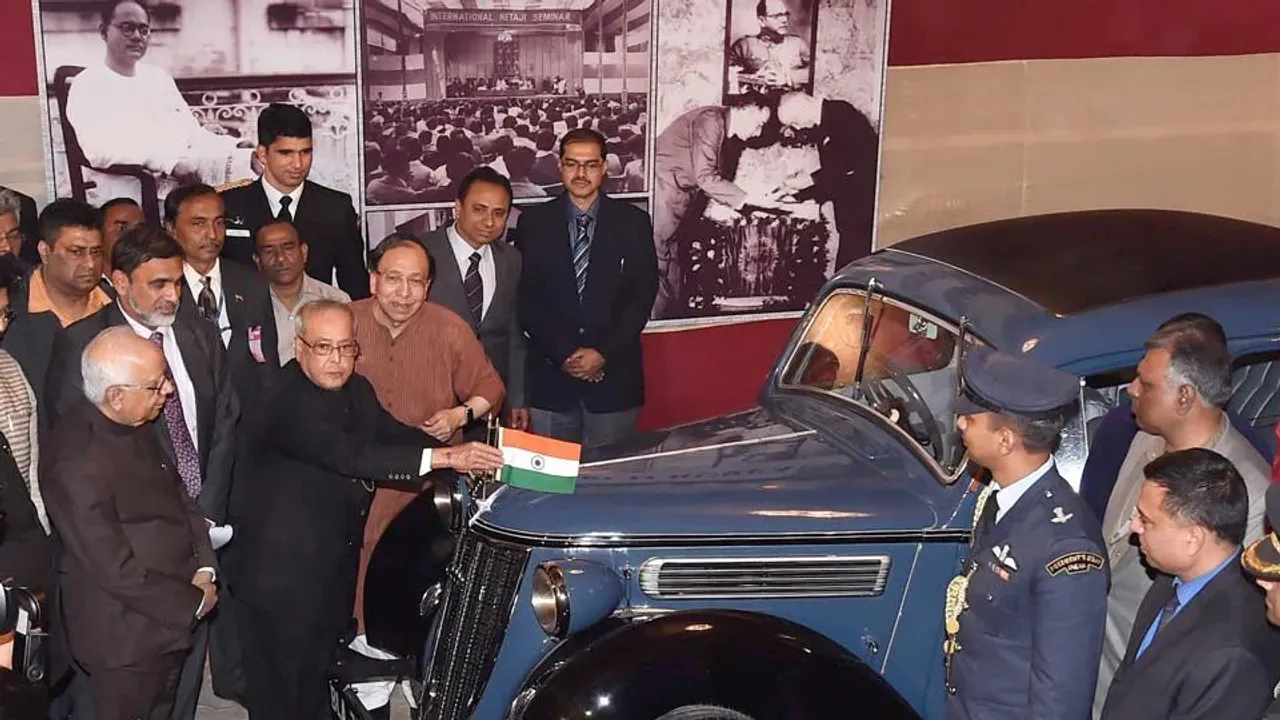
<point x="1006" y="497"/>
<point x="488" y="271"/>
<point x="195" y="281"/>
<point x="286" y="319"/>
<point x="274" y="195"/>
<point x="177" y="368"/>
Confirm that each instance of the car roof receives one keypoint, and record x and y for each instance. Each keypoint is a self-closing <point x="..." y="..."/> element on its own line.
<point x="1075" y="288"/>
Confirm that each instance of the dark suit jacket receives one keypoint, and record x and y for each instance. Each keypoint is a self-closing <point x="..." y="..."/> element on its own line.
<point x="216" y="406"/>
<point x="622" y="281"/>
<point x="1217" y="658"/>
<point x="131" y="540"/>
<point x="316" y="456"/>
<point x="848" y="153"/>
<point x="500" y="331"/>
<point x="24" y="547"/>
<point x="325" y="219"/>
<point x="248" y="301"/>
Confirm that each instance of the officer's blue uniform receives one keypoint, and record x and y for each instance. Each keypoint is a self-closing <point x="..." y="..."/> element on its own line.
<point x="1030" y="633"/>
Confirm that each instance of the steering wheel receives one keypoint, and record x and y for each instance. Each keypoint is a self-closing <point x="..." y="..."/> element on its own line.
<point x="885" y="402"/>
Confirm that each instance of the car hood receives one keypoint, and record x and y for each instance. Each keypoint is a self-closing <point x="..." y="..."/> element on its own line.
<point x="760" y="472"/>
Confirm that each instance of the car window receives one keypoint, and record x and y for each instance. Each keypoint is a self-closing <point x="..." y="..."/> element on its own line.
<point x="1255" y="393"/>
<point x="907" y="363"/>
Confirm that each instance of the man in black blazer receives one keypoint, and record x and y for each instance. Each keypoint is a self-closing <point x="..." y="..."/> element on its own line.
<point x="325" y="218"/>
<point x="587" y="286"/>
<point x="148" y="281"/>
<point x="1201" y="646"/>
<point x="230" y="297"/>
<point x="479" y="278"/>
<point x="320" y="445"/>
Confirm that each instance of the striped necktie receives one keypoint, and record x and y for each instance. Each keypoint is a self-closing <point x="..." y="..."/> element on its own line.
<point x="582" y="252"/>
<point x="473" y="286"/>
<point x="184" y="448"/>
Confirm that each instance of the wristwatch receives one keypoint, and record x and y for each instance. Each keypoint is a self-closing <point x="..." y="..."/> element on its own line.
<point x="471" y="415"/>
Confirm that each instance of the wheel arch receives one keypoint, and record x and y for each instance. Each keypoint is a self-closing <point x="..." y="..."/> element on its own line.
<point x="761" y="665"/>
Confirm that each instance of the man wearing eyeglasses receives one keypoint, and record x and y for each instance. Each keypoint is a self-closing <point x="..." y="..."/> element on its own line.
<point x="772" y="57"/>
<point x="426" y="364"/>
<point x="321" y="444"/>
<point x="136" y="570"/>
<point x="197" y="426"/>
<point x="129" y="112"/>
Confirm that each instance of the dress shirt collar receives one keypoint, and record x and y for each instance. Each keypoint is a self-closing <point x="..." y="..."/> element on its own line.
<point x="1007" y="497"/>
<point x="38" y="299"/>
<point x="145" y="332"/>
<point x="196" y="281"/>
<point x="274" y="195"/>
<point x="463" y="250"/>
<point x="1188" y="590"/>
<point x="575" y="212"/>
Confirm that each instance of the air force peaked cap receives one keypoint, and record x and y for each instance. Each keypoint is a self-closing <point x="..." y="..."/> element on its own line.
<point x="1262" y="559"/>
<point x="992" y="381"/>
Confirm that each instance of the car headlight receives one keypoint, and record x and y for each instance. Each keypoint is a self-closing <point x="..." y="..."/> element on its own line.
<point x="550" y="600"/>
<point x="593" y="591"/>
<point x="447" y="497"/>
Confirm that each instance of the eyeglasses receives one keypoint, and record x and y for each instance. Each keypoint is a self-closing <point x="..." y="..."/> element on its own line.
<point x="154" y="388"/>
<point x="129" y="28"/>
<point x="12" y="235"/>
<point x="325" y="349"/>
<point x="591" y="166"/>
<point x="398" y="282"/>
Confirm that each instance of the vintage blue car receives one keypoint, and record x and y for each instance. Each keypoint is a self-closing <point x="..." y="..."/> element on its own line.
<point x="790" y="561"/>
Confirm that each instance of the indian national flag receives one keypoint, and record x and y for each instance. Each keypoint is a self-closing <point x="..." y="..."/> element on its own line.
<point x="538" y="463"/>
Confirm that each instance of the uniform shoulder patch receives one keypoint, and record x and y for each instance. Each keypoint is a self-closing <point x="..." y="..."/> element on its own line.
<point x="242" y="182"/>
<point x="1075" y="563"/>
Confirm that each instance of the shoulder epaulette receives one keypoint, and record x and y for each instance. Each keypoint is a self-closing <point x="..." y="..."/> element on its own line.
<point x="234" y="184"/>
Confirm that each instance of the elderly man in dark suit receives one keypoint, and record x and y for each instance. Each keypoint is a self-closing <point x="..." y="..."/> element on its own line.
<point x="325" y="218"/>
<point x="196" y="430"/>
<point x="479" y="278"/>
<point x="587" y="286"/>
<point x="1201" y="646"/>
<point x="1025" y="618"/>
<point x="136" y="571"/>
<point x="320" y="445"/>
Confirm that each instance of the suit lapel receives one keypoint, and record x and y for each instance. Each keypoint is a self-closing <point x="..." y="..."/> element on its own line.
<point x="560" y="250"/>
<point x="304" y="213"/>
<point x="603" y="260"/>
<point x="1186" y="620"/>
<point x="1150" y="606"/>
<point x="195" y="361"/>
<point x="503" y="270"/>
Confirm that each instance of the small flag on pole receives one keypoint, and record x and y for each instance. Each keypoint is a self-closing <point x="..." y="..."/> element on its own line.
<point x="538" y="463"/>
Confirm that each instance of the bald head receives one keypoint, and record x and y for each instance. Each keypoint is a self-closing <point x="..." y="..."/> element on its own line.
<point x="124" y="376"/>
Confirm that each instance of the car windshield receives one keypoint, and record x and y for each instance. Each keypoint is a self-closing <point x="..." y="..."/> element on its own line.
<point x="908" y="374"/>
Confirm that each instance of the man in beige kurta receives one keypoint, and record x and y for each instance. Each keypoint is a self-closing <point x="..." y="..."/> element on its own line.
<point x="1178" y="405"/>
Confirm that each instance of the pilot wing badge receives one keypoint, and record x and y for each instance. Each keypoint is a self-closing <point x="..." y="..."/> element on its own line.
<point x="538" y="463"/>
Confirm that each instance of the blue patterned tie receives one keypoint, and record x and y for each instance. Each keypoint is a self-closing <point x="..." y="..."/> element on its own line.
<point x="473" y="286"/>
<point x="183" y="447"/>
<point x="582" y="253"/>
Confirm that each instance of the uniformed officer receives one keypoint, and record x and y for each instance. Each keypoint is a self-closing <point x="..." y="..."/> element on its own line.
<point x="1025" y="618"/>
<point x="1262" y="561"/>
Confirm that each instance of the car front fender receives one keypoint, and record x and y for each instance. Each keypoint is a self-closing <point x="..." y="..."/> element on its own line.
<point x="762" y="666"/>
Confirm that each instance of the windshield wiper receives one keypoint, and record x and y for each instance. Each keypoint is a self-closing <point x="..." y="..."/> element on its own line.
<point x="866" y="338"/>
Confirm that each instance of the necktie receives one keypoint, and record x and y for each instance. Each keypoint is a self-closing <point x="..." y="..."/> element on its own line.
<point x="474" y="287"/>
<point x="987" y="521"/>
<point x="1168" y="611"/>
<point x="284" y="213"/>
<point x="183" y="448"/>
<point x="581" y="252"/>
<point x="207" y="302"/>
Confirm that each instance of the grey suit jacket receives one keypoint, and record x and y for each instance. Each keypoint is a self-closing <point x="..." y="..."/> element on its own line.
<point x="500" y="331"/>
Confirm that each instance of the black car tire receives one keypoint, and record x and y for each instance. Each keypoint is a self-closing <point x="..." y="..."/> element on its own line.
<point x="704" y="712"/>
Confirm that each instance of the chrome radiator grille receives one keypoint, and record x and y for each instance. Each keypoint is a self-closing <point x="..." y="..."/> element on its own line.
<point x="765" y="577"/>
<point x="484" y="580"/>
